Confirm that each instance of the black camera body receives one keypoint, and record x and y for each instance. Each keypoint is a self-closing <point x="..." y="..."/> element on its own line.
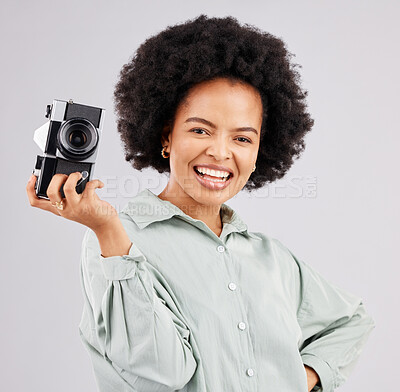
<point x="69" y="141"/>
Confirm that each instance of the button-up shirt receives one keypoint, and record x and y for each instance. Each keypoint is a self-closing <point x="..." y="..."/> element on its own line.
<point x="188" y="310"/>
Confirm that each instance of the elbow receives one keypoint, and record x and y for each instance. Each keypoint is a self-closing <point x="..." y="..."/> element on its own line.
<point x="163" y="382"/>
<point x="365" y="321"/>
<point x="366" y="316"/>
<point x="372" y="321"/>
<point x="191" y="369"/>
<point x="183" y="374"/>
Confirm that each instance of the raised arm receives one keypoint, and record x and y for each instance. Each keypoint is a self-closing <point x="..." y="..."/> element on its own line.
<point x="137" y="341"/>
<point x="131" y="334"/>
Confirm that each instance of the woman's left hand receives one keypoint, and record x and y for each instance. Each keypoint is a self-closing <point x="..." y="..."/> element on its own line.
<point x="312" y="377"/>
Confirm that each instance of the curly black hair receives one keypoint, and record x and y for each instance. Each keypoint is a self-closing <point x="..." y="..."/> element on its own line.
<point x="166" y="66"/>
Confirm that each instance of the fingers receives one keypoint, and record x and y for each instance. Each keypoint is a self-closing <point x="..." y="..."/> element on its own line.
<point x="91" y="186"/>
<point x="70" y="188"/>
<point x="72" y="198"/>
<point x="53" y="189"/>
<point x="36" y="201"/>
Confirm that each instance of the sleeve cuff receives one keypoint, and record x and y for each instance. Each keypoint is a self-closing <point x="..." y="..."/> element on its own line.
<point x="121" y="267"/>
<point x="323" y="370"/>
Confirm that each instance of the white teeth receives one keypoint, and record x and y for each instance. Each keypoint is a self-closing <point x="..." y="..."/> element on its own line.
<point x="211" y="179"/>
<point x="214" y="173"/>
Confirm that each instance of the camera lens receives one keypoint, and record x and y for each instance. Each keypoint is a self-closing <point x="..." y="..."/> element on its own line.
<point x="77" y="138"/>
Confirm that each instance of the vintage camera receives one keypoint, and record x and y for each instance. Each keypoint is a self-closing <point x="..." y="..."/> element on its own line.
<point x="69" y="141"/>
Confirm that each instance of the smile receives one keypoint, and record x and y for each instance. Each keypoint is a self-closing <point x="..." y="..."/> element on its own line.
<point x="212" y="182"/>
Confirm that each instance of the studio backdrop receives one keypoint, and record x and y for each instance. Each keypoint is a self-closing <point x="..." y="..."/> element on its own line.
<point x="336" y="208"/>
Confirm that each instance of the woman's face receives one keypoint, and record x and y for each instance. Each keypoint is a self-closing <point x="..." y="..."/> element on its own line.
<point x="218" y="124"/>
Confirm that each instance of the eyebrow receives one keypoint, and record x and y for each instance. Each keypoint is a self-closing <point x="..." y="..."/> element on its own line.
<point x="210" y="124"/>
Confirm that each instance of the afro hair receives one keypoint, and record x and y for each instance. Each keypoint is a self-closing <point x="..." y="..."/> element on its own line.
<point x="166" y="66"/>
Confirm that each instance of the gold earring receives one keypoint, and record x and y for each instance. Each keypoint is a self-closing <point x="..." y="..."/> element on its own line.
<point x="163" y="152"/>
<point x="254" y="168"/>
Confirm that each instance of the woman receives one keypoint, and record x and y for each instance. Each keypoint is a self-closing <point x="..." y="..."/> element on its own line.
<point x="179" y="295"/>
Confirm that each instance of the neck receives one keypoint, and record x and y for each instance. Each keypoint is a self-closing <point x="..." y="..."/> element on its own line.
<point x="209" y="214"/>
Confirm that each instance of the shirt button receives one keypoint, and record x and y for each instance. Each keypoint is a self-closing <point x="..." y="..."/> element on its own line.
<point x="250" y="372"/>
<point x="221" y="248"/>
<point x="232" y="286"/>
<point x="242" y="325"/>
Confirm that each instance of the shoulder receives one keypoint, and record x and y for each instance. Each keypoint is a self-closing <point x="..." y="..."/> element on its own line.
<point x="275" y="246"/>
<point x="281" y="254"/>
<point x="274" y="253"/>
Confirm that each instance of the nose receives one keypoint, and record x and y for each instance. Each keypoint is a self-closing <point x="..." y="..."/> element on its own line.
<point x="220" y="150"/>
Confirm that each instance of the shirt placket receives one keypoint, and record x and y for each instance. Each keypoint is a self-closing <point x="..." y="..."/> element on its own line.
<point x="247" y="369"/>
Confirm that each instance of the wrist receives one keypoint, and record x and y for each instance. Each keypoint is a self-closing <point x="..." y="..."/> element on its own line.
<point x="113" y="239"/>
<point x="111" y="225"/>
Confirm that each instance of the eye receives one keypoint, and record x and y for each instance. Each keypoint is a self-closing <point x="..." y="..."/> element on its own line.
<point x="197" y="129"/>
<point x="202" y="130"/>
<point x="246" y="140"/>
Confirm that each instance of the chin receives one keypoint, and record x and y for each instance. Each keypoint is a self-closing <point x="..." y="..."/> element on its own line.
<point x="211" y="197"/>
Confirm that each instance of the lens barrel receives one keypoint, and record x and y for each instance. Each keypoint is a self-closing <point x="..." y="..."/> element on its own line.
<point x="77" y="138"/>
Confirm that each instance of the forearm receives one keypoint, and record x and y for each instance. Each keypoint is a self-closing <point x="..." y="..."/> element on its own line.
<point x="113" y="239"/>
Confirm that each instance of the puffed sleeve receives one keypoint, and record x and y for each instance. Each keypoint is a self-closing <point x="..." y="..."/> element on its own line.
<point x="136" y="342"/>
<point x="335" y="327"/>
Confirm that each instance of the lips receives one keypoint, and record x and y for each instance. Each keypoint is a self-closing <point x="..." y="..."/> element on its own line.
<point x="210" y="183"/>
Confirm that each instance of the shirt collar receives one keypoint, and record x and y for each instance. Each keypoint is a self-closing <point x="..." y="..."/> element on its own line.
<point x="146" y="207"/>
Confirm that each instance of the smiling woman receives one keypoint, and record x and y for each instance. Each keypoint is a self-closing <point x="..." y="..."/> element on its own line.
<point x="178" y="293"/>
<point x="166" y="68"/>
<point x="230" y="113"/>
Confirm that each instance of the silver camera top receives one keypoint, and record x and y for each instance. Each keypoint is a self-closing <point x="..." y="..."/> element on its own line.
<point x="78" y="131"/>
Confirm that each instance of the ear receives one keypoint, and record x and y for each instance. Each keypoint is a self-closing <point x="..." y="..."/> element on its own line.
<point x="166" y="134"/>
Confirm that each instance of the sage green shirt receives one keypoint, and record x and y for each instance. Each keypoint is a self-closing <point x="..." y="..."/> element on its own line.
<point x="188" y="310"/>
